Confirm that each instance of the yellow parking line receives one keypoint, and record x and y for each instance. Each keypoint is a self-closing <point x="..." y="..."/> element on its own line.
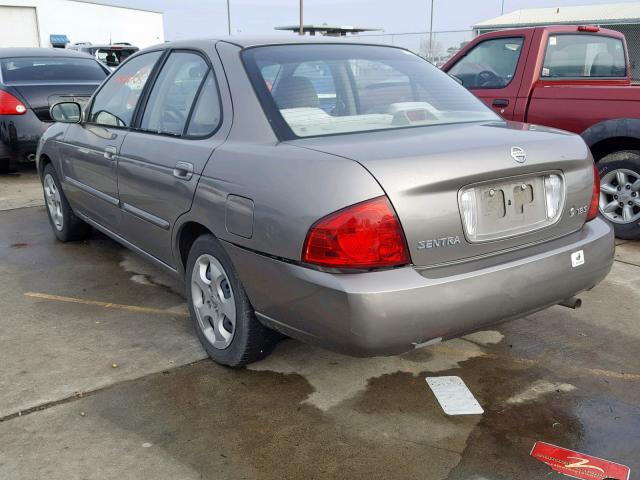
<point x="435" y="348"/>
<point x="115" y="306"/>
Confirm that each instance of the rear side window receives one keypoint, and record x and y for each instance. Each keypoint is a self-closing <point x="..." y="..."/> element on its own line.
<point x="581" y="55"/>
<point x="116" y="101"/>
<point x="206" y="114"/>
<point x="32" y="69"/>
<point x="490" y="64"/>
<point x="174" y="92"/>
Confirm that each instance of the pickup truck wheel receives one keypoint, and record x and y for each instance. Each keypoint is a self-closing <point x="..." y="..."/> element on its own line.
<point x="222" y="315"/>
<point x="65" y="224"/>
<point x="620" y="192"/>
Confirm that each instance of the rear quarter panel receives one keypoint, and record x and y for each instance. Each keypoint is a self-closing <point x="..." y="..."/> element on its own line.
<point x="291" y="188"/>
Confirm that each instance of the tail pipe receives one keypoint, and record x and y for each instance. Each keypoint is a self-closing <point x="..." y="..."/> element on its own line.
<point x="573" y="302"/>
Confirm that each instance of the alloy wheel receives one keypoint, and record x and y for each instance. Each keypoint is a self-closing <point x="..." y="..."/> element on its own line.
<point x="620" y="196"/>
<point x="54" y="202"/>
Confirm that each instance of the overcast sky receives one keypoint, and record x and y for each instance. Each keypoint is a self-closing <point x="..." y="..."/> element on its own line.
<point x="197" y="18"/>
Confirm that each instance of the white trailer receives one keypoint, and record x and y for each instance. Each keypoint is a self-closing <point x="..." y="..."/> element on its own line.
<point x="43" y="23"/>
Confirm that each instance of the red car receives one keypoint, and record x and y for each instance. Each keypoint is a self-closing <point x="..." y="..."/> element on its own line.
<point x="575" y="78"/>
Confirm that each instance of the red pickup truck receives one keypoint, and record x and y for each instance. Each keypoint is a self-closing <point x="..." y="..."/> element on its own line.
<point x="575" y="78"/>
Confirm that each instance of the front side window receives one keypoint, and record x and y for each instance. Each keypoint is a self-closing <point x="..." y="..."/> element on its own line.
<point x="580" y="55"/>
<point x="33" y="69"/>
<point x="490" y="64"/>
<point x="116" y="101"/>
<point x="332" y="89"/>
<point x="172" y="96"/>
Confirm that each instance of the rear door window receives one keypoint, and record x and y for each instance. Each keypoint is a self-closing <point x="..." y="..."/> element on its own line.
<point x="174" y="92"/>
<point x="584" y="56"/>
<point x="490" y="64"/>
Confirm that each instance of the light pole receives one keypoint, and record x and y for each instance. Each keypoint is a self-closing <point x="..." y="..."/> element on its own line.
<point x="228" y="18"/>
<point x="502" y="9"/>
<point x="301" y="32"/>
<point x="431" y="34"/>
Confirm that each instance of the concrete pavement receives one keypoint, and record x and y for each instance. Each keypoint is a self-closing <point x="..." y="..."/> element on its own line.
<point x="69" y="312"/>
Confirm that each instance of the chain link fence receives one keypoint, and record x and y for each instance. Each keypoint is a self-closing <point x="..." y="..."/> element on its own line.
<point x="632" y="34"/>
<point x="437" y="47"/>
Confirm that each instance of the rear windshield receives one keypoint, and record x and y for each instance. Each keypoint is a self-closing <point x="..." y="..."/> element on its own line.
<point x="312" y="90"/>
<point x="32" y="69"/>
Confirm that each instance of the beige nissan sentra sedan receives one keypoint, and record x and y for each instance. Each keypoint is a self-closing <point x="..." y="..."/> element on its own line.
<point x="348" y="195"/>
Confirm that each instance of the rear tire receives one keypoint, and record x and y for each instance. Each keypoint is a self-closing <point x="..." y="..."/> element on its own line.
<point x="620" y="192"/>
<point x="222" y="315"/>
<point x="65" y="224"/>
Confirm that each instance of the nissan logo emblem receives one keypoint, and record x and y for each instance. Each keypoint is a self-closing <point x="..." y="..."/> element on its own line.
<point x="518" y="154"/>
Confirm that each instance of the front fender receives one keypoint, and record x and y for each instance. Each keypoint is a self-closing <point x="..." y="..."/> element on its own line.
<point x="48" y="146"/>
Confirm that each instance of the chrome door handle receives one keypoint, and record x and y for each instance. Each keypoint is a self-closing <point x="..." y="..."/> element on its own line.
<point x="183" y="171"/>
<point x="110" y="152"/>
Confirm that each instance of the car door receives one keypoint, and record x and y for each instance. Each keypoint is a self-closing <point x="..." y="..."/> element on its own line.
<point x="90" y="148"/>
<point x="492" y="70"/>
<point x="160" y="162"/>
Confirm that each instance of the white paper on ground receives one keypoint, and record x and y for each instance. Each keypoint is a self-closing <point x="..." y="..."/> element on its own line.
<point x="454" y="396"/>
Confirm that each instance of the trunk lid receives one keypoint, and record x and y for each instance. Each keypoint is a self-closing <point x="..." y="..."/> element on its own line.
<point x="40" y="97"/>
<point x="426" y="171"/>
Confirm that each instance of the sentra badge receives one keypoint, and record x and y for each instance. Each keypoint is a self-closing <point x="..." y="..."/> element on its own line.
<point x="439" y="242"/>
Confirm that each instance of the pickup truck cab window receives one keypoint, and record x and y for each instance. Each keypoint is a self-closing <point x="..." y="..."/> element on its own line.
<point x="583" y="56"/>
<point x="490" y="64"/>
<point x="173" y="93"/>
<point x="114" y="104"/>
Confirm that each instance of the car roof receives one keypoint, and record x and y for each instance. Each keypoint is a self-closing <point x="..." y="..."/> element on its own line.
<point x="119" y="46"/>
<point x="40" y="52"/>
<point x="246" y="41"/>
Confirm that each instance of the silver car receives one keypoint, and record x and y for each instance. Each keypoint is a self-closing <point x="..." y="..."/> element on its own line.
<point x="348" y="195"/>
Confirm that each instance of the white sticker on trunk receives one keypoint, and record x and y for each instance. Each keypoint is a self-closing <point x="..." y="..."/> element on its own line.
<point x="453" y="396"/>
<point x="577" y="258"/>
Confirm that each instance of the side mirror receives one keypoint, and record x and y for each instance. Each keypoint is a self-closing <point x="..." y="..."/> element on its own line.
<point x="66" y="112"/>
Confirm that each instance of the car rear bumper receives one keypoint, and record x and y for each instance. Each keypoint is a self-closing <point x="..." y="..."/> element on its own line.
<point x="390" y="312"/>
<point x="19" y="135"/>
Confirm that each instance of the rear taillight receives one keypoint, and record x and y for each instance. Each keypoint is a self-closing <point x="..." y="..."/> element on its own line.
<point x="10" y="105"/>
<point x="595" y="195"/>
<point x="365" y="235"/>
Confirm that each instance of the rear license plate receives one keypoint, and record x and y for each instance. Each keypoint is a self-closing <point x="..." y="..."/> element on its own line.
<point x="505" y="208"/>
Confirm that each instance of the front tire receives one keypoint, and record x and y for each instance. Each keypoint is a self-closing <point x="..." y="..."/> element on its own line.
<point x="620" y="192"/>
<point x="222" y="315"/>
<point x="65" y="224"/>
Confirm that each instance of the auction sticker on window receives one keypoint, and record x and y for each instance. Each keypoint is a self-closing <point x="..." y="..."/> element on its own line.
<point x="578" y="465"/>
